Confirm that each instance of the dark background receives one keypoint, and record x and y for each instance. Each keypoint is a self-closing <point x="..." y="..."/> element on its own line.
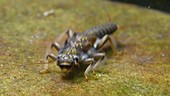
<point x="163" y="5"/>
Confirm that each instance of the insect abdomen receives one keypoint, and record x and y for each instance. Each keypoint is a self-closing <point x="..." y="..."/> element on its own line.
<point x="102" y="30"/>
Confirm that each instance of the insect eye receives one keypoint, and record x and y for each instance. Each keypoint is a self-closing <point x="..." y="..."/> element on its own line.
<point x="58" y="57"/>
<point x="76" y="59"/>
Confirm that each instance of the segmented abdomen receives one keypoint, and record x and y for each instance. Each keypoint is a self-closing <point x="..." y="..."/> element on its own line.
<point x="102" y="30"/>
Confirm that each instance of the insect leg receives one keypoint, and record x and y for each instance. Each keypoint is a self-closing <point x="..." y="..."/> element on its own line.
<point x="52" y="56"/>
<point x="56" y="45"/>
<point x="64" y="36"/>
<point x="60" y="39"/>
<point x="104" y="40"/>
<point x="101" y="58"/>
<point x="45" y="66"/>
<point x="69" y="33"/>
<point x="90" y="62"/>
<point x="49" y="55"/>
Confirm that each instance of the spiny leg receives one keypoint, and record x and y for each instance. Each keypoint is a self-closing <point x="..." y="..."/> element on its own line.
<point x="66" y="34"/>
<point x="45" y="66"/>
<point x="57" y="46"/>
<point x="52" y="56"/>
<point x="47" y="54"/>
<point x="101" y="58"/>
<point x="69" y="34"/>
<point x="90" y="62"/>
<point x="104" y="40"/>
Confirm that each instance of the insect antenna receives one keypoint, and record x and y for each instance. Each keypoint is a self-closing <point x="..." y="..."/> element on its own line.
<point x="35" y="63"/>
<point x="107" y="13"/>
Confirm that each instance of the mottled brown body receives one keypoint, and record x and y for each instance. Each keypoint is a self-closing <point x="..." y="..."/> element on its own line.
<point x="83" y="48"/>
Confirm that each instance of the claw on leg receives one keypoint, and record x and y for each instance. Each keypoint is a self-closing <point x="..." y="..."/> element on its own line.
<point x="44" y="68"/>
<point x="92" y="66"/>
<point x="90" y="62"/>
<point x="101" y="58"/>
